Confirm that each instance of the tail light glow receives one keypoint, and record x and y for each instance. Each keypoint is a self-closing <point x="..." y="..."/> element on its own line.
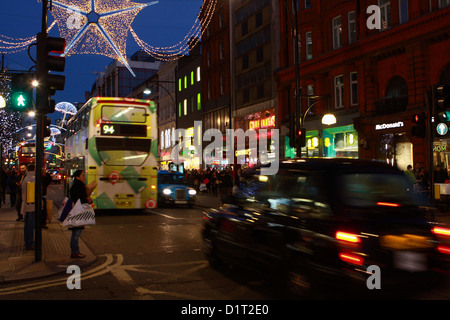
<point x="349" y="237"/>
<point x="388" y="204"/>
<point x="441" y="231"/>
<point x="443" y="249"/>
<point x="350" y="258"/>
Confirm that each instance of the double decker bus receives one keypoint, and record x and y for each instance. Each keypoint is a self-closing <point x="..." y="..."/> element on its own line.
<point x="26" y="153"/>
<point x="115" y="141"/>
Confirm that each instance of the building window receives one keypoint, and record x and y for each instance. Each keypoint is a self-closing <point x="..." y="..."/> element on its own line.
<point x="246" y="96"/>
<point x="260" y="90"/>
<point x="220" y="19"/>
<point x="385" y="7"/>
<point x="222" y="83"/>
<point x="245" y="62"/>
<point x="339" y="91"/>
<point x="199" y="101"/>
<point x="179" y="109"/>
<point x="198" y="74"/>
<point x="351" y="27"/>
<point x="222" y="50"/>
<point x="179" y="84"/>
<point x="403" y="10"/>
<point x="185" y="106"/>
<point x="444" y="3"/>
<point x="309" y="54"/>
<point x="244" y="28"/>
<point x="337" y="32"/>
<point x="192" y="77"/>
<point x="310" y="92"/>
<point x="209" y="90"/>
<point x="307" y="4"/>
<point x="258" y="19"/>
<point x="259" y="54"/>
<point x="185" y="82"/>
<point x="354" y="88"/>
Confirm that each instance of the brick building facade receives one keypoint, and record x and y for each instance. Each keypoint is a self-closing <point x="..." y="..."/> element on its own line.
<point x="376" y="78"/>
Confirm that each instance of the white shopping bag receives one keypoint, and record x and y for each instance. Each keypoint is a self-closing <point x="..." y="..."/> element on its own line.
<point x="82" y="214"/>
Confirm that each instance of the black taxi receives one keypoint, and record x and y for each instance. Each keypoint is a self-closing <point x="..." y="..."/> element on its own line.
<point x="332" y="221"/>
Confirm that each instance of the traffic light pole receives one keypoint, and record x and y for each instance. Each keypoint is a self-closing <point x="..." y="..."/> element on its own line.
<point x="41" y="97"/>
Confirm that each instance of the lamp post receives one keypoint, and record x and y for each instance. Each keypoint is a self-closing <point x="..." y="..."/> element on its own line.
<point x="327" y="119"/>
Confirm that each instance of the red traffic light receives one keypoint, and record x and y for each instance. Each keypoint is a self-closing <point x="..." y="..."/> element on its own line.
<point x="416" y="118"/>
<point x="300" y="132"/>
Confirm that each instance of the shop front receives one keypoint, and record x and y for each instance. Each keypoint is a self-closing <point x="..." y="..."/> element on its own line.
<point x="335" y="142"/>
<point x="390" y="141"/>
<point x="256" y="121"/>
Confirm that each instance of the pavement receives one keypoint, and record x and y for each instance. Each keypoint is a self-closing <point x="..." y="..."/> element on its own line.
<point x="17" y="263"/>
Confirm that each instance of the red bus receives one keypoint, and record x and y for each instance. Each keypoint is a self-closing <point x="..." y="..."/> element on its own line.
<point x="27" y="154"/>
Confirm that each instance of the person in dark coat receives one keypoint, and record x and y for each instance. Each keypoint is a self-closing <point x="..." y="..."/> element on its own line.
<point x="78" y="191"/>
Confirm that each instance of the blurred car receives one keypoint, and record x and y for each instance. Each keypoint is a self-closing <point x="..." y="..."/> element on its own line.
<point x="56" y="175"/>
<point x="326" y="221"/>
<point x="173" y="189"/>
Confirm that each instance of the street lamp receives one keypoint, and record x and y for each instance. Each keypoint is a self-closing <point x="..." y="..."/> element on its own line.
<point x="328" y="119"/>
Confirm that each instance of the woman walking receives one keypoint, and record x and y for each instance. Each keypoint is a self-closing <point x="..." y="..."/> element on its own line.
<point x="78" y="191"/>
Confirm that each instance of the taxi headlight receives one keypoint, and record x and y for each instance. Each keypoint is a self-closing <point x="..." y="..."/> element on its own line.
<point x="192" y="192"/>
<point x="167" y="191"/>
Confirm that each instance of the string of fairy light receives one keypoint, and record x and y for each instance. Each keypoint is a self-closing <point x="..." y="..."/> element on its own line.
<point x="105" y="32"/>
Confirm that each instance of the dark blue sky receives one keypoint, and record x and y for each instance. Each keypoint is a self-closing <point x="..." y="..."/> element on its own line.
<point x="163" y="24"/>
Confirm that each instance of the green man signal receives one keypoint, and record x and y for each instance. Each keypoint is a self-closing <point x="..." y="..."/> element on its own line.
<point x="21" y="92"/>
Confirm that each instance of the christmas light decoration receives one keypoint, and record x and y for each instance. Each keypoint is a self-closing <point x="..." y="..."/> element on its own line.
<point x="190" y="40"/>
<point x="101" y="27"/>
<point x="13" y="45"/>
<point x="9" y="120"/>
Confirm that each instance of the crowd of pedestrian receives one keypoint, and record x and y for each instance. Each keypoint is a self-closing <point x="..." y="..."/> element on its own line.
<point x="13" y="182"/>
<point x="419" y="177"/>
<point x="218" y="181"/>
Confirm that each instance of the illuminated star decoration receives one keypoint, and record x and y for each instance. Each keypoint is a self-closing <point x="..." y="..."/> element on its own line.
<point x="96" y="26"/>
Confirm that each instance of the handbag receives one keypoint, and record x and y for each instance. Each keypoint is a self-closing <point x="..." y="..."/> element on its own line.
<point x="82" y="214"/>
<point x="65" y="208"/>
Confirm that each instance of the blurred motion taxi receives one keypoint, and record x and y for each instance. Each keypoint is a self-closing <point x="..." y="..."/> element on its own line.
<point x="173" y="189"/>
<point x="328" y="220"/>
<point x="56" y="175"/>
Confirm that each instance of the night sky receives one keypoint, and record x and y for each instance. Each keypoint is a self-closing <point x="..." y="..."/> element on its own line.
<point x="163" y="24"/>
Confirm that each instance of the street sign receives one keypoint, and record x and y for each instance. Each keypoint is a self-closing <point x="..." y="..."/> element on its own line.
<point x="442" y="129"/>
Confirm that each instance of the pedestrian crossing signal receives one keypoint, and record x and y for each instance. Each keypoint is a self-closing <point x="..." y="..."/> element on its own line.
<point x="300" y="139"/>
<point x="419" y="129"/>
<point x="21" y="93"/>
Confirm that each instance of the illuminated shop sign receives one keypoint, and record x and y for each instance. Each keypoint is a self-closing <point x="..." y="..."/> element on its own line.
<point x="262" y="123"/>
<point x="392" y="125"/>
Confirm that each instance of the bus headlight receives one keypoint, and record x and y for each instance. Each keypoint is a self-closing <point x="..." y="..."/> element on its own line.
<point x="167" y="191"/>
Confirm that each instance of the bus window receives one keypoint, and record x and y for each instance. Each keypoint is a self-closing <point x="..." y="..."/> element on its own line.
<point x="124" y="114"/>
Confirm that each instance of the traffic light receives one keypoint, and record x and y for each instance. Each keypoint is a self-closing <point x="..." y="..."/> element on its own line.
<point x="419" y="129"/>
<point x="21" y="92"/>
<point x="441" y="101"/>
<point x="441" y="96"/>
<point x="46" y="62"/>
<point x="300" y="140"/>
<point x="47" y="123"/>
